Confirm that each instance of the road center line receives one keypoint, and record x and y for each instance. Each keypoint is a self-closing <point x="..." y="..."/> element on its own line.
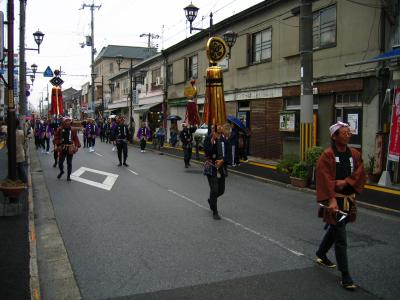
<point x="133" y="172"/>
<point x="98" y="154"/>
<point x="275" y="242"/>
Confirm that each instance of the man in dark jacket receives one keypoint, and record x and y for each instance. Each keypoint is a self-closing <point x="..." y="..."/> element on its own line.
<point x="121" y="137"/>
<point x="215" y="146"/>
<point x="186" y="138"/>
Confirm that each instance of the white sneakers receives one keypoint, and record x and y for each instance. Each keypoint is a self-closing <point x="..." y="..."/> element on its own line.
<point x="113" y="148"/>
<point x="91" y="149"/>
<point x="143" y="151"/>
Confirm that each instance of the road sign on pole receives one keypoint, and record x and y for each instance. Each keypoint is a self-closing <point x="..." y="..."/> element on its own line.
<point x="48" y="72"/>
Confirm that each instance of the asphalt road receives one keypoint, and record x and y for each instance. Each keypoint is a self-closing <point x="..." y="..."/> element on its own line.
<point x="150" y="235"/>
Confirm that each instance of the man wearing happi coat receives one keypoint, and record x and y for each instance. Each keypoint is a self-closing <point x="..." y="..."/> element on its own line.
<point x="340" y="178"/>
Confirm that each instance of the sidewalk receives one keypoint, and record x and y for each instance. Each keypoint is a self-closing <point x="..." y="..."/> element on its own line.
<point x="373" y="196"/>
<point x="14" y="249"/>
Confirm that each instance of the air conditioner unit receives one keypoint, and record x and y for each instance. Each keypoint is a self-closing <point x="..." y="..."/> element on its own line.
<point x="159" y="81"/>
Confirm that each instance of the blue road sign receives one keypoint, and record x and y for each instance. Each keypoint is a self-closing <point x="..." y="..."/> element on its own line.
<point x="48" y="72"/>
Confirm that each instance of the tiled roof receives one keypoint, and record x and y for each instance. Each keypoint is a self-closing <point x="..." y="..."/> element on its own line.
<point x="112" y="51"/>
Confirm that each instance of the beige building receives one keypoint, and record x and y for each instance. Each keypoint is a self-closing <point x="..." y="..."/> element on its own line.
<point x="262" y="77"/>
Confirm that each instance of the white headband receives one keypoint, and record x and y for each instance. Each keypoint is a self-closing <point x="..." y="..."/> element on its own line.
<point x="337" y="126"/>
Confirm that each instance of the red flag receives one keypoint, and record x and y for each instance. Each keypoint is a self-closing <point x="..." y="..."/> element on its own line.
<point x="56" y="101"/>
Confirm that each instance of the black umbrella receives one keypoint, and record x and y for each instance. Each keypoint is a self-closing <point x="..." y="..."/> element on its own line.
<point x="174" y="118"/>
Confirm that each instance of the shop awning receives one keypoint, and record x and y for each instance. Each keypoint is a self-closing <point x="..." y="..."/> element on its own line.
<point x="395" y="53"/>
<point x="144" y="108"/>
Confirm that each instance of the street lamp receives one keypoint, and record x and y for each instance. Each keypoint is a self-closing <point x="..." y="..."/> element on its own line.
<point x="191" y="14"/>
<point x="229" y="36"/>
<point x="34" y="68"/>
<point x="38" y="36"/>
<point x="134" y="78"/>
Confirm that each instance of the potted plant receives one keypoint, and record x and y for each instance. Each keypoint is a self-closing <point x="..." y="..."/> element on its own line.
<point x="12" y="188"/>
<point x="312" y="156"/>
<point x="287" y="163"/>
<point x="300" y="174"/>
<point x="369" y="169"/>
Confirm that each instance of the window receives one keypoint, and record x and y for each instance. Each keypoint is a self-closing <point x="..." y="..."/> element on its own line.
<point x="156" y="78"/>
<point x="170" y="74"/>
<point x="324" y="27"/>
<point x="192" y="67"/>
<point x="261" y="43"/>
<point x="111" y="68"/>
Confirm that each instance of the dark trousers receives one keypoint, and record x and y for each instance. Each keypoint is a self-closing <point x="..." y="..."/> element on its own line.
<point x="64" y="154"/>
<point x="187" y="155"/>
<point x="217" y="188"/>
<point x="85" y="141"/>
<point x="142" y="144"/>
<point x="122" y="148"/>
<point x="336" y="234"/>
<point x="91" y="141"/>
<point x="46" y="143"/>
<point x="55" y="155"/>
<point x="37" y="141"/>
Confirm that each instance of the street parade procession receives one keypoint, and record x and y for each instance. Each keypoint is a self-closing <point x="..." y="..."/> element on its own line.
<point x="230" y="165"/>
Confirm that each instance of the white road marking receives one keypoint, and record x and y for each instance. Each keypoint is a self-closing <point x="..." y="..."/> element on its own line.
<point x="98" y="154"/>
<point x="273" y="241"/>
<point x="133" y="172"/>
<point x="107" y="184"/>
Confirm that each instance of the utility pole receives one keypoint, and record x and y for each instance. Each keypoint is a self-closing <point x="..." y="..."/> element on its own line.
<point x="11" y="132"/>
<point x="150" y="37"/>
<point x="22" y="63"/>
<point x="306" y="74"/>
<point x="93" y="50"/>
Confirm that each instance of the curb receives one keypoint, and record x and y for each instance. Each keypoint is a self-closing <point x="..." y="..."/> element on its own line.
<point x="33" y="264"/>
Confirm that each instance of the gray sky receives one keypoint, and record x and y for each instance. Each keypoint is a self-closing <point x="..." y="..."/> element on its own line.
<point x="117" y="22"/>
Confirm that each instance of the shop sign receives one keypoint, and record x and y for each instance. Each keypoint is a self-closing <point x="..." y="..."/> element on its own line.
<point x="394" y="143"/>
<point x="287" y="121"/>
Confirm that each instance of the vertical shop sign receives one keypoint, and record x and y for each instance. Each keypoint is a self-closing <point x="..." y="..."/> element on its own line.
<point x="394" y="143"/>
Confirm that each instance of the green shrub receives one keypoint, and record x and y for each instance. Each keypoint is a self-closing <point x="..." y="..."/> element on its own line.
<point x="371" y="164"/>
<point x="287" y="163"/>
<point x="312" y="155"/>
<point x="300" y="170"/>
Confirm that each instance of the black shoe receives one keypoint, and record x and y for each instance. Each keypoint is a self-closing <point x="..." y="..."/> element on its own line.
<point x="323" y="260"/>
<point x="119" y="165"/>
<point x="61" y="174"/>
<point x="216" y="216"/>
<point x="68" y="178"/>
<point x="186" y="166"/>
<point x="126" y="165"/>
<point x="54" y="165"/>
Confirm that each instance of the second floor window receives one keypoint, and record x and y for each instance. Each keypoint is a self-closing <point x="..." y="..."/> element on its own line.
<point x="192" y="67"/>
<point x="111" y="68"/>
<point x="324" y="27"/>
<point x="261" y="46"/>
<point x="170" y="74"/>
